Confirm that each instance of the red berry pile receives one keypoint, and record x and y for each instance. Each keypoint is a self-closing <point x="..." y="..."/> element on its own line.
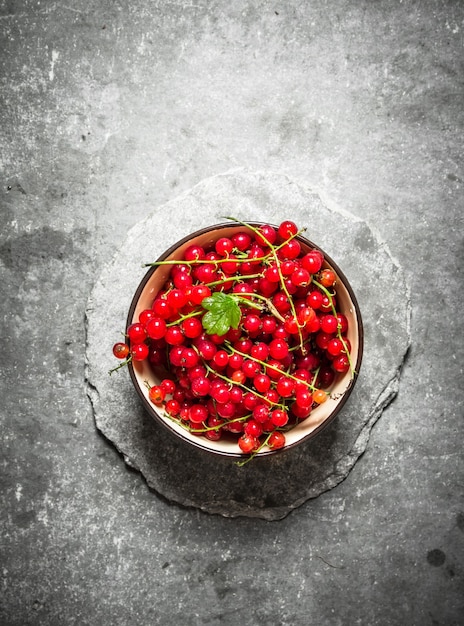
<point x="245" y="337"/>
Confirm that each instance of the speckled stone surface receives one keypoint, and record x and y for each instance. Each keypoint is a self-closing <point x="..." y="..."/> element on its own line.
<point x="269" y="488"/>
<point x="111" y="109"/>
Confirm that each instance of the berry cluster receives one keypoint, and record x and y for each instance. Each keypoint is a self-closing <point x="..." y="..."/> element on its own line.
<point x="245" y="337"/>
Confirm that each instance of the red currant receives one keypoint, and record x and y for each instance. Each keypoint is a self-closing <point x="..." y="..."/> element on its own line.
<point x="276" y="440"/>
<point x="278" y="349"/>
<point x="137" y="333"/>
<point x="287" y="229"/>
<point x="139" y="351"/>
<point x="327" y="278"/>
<point x="279" y="418"/>
<point x="156" y="328"/>
<point x="312" y="261"/>
<point x="121" y="350"/>
<point x="248" y="443"/>
<point x="156" y="394"/>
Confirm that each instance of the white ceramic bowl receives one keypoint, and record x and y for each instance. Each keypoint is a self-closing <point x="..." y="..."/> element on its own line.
<point x="321" y="416"/>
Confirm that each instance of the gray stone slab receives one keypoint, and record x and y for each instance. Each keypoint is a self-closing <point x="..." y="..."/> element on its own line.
<point x="271" y="487"/>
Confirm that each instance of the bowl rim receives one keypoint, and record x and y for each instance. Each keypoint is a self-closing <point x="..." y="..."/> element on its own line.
<point x="197" y="442"/>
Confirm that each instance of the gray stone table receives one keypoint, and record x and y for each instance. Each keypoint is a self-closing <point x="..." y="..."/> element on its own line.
<point x="268" y="487"/>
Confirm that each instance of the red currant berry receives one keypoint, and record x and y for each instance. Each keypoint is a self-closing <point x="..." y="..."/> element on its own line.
<point x="300" y="412"/>
<point x="252" y="323"/>
<point x="278" y="349"/>
<point x="207" y="349"/>
<point x="290" y="250"/>
<point x="328" y="303"/>
<point x="261" y="413"/>
<point x="167" y="385"/>
<point x="174" y="336"/>
<point x="287" y="267"/>
<point x="156" y="394"/>
<point x="276" y="440"/>
<point x="291" y="325"/>
<point x="235" y="361"/>
<point x="241" y="241"/>
<point x="312" y="261"/>
<point x="224" y="246"/>
<point x="260" y="351"/>
<point x="266" y="235"/>
<point x="322" y="340"/>
<point x="261" y="383"/>
<point x="176" y="298"/>
<point x="300" y="277"/>
<point x="121" y="350"/>
<point x="285" y="387"/>
<point x="214" y="435"/>
<point x="194" y="253"/>
<point x="279" y="418"/>
<point x="335" y="346"/>
<point x="319" y="396"/>
<point x="250" y="368"/>
<point x="198" y="293"/>
<point x="220" y="393"/>
<point x="274" y="369"/>
<point x="191" y="327"/>
<point x="303" y="398"/>
<point x="198" y="413"/>
<point x="287" y="229"/>
<point x="137" y="333"/>
<point x="268" y="324"/>
<point x="314" y="300"/>
<point x="244" y="345"/>
<point x="341" y="363"/>
<point x="145" y="316"/>
<point x="281" y="303"/>
<point x="329" y="324"/>
<point x="236" y="394"/>
<point x="266" y="288"/>
<point x="230" y="266"/>
<point x="327" y="278"/>
<point x="189" y="358"/>
<point x="205" y="273"/>
<point x="139" y="351"/>
<point x="253" y="428"/>
<point x="238" y="376"/>
<point x="250" y="401"/>
<point x="342" y="323"/>
<point x="272" y="274"/>
<point x="182" y="281"/>
<point x="248" y="444"/>
<point x="161" y="308"/>
<point x="156" y="328"/>
<point x="175" y="356"/>
<point x="172" y="407"/>
<point x="226" y="409"/>
<point x="272" y="396"/>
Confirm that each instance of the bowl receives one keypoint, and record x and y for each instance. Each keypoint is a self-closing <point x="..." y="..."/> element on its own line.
<point x="143" y="375"/>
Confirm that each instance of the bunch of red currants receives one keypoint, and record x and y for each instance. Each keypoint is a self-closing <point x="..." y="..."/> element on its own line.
<point x="245" y="337"/>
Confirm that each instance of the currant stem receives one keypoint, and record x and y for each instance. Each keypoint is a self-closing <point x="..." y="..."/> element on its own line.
<point x="185" y="317"/>
<point x="118" y="367"/>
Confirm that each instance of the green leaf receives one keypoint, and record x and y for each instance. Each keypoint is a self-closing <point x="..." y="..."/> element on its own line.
<point x="222" y="313"/>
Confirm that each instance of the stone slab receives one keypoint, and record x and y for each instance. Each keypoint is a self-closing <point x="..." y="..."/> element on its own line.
<point x="271" y="487"/>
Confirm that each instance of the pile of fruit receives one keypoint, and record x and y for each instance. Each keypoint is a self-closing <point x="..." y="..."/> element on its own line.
<point x="245" y="337"/>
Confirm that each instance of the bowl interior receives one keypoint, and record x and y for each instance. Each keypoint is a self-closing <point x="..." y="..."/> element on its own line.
<point x="141" y="372"/>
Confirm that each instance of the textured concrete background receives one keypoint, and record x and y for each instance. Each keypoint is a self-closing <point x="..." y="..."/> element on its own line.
<point x="109" y="109"/>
